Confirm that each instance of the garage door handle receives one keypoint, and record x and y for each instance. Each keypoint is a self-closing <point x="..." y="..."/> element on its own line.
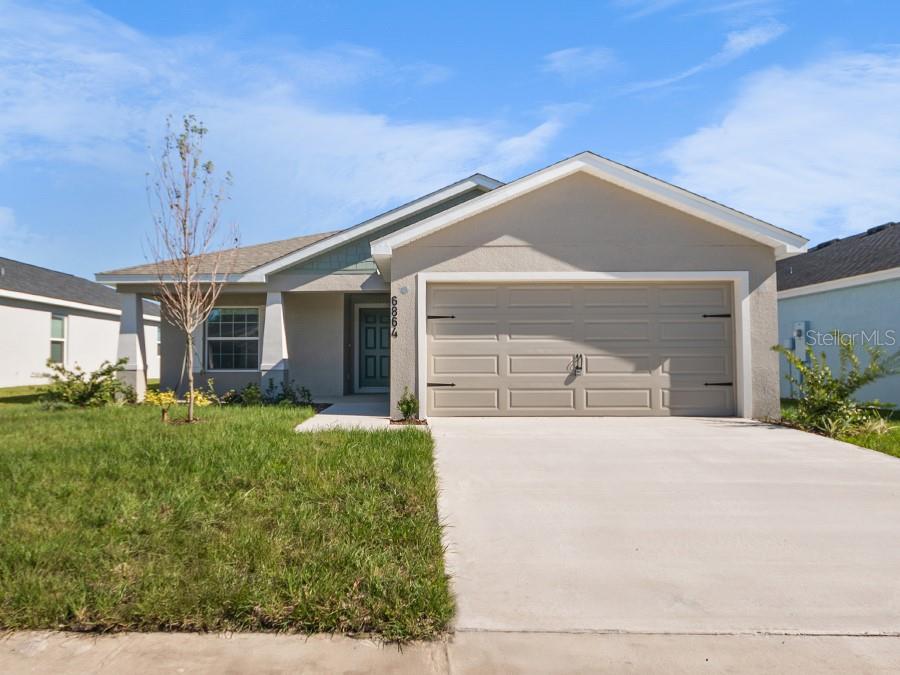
<point x="717" y="316"/>
<point x="441" y="384"/>
<point x="718" y="384"/>
<point x="440" y="316"/>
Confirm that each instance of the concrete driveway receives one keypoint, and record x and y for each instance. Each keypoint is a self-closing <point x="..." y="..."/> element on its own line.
<point x="667" y="525"/>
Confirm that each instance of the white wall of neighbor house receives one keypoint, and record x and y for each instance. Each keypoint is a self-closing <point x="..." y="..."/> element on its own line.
<point x="90" y="338"/>
<point x="581" y="223"/>
<point x="870" y="312"/>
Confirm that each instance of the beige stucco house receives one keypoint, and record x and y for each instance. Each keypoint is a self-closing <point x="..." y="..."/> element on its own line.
<point x="586" y="288"/>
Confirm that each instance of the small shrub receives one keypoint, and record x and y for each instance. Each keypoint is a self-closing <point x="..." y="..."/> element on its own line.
<point x="825" y="403"/>
<point x="287" y="393"/>
<point x="408" y="405"/>
<point x="79" y="388"/>
<point x="163" y="399"/>
<point x="201" y="400"/>
<point x="251" y="395"/>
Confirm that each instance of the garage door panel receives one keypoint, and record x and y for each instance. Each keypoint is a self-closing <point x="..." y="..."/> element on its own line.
<point x="541" y="399"/>
<point x="698" y="400"/>
<point x="647" y="349"/>
<point x="697" y="364"/>
<point x="551" y="329"/>
<point x="462" y="297"/>
<point x="697" y="297"/>
<point x="605" y="330"/>
<point x="693" y="330"/>
<point x="537" y="364"/>
<point x="616" y="296"/>
<point x="461" y="398"/>
<point x="604" y="364"/>
<point x="549" y="297"/>
<point x="466" y="365"/>
<point x="612" y="401"/>
<point x="461" y="329"/>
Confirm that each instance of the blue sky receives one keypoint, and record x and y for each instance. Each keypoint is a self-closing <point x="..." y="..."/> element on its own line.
<point x="327" y="113"/>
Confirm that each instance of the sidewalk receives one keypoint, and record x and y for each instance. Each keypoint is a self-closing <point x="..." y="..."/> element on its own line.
<point x="468" y="652"/>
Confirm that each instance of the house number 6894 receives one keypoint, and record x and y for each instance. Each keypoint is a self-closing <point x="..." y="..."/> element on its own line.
<point x="393" y="316"/>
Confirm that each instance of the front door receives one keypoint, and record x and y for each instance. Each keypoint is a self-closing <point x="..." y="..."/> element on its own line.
<point x="374" y="362"/>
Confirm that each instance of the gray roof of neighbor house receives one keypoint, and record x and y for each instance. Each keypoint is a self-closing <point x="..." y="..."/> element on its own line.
<point x="24" y="278"/>
<point x="876" y="249"/>
<point x="238" y="260"/>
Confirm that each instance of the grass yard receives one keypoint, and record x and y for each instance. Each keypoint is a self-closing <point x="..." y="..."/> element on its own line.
<point x="25" y="394"/>
<point x="110" y="520"/>
<point x="888" y="443"/>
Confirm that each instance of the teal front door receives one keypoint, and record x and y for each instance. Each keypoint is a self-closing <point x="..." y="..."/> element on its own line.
<point x="374" y="363"/>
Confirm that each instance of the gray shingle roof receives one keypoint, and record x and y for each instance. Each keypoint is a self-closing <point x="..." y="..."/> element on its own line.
<point x="876" y="249"/>
<point x="238" y="260"/>
<point x="24" y="278"/>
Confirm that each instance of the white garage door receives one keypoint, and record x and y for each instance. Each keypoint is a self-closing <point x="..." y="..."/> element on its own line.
<point x="580" y="349"/>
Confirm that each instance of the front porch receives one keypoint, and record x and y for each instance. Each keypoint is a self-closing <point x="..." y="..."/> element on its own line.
<point x="336" y="344"/>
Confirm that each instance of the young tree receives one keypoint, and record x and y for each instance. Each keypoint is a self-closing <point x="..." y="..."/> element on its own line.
<point x="188" y="247"/>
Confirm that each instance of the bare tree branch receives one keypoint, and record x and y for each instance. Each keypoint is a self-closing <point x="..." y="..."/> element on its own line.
<point x="186" y="199"/>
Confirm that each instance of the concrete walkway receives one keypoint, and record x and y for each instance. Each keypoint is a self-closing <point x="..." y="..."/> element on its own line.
<point x="43" y="653"/>
<point x="361" y="411"/>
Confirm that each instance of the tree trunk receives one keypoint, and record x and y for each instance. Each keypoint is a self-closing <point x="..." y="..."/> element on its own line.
<point x="190" y="374"/>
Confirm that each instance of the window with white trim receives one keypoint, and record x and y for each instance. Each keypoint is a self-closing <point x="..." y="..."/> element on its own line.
<point x="232" y="339"/>
<point x="58" y="338"/>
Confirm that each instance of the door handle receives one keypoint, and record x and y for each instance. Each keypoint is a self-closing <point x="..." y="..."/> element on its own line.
<point x="577" y="364"/>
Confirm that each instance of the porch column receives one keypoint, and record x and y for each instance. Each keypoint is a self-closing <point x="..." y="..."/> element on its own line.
<point x="273" y="362"/>
<point x="131" y="343"/>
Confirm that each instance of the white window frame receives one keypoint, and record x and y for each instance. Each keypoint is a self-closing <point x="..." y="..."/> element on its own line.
<point x="63" y="340"/>
<point x="260" y="315"/>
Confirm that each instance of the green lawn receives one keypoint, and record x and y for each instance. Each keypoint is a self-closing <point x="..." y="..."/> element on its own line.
<point x="110" y="520"/>
<point x="26" y="394"/>
<point x="888" y="443"/>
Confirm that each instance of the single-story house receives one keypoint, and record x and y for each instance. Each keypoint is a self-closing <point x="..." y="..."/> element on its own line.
<point x="851" y="285"/>
<point x="51" y="315"/>
<point x="585" y="288"/>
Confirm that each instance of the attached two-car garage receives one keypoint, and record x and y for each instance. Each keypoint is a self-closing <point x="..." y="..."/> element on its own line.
<point x="591" y="349"/>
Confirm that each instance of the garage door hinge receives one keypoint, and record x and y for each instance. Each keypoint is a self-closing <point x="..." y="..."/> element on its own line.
<point x="440" y="316"/>
<point x="717" y="316"/>
<point x="718" y="384"/>
<point x="441" y="384"/>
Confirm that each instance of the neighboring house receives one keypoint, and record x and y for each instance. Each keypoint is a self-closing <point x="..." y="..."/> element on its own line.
<point x="51" y="315"/>
<point x="585" y="288"/>
<point x="851" y="285"/>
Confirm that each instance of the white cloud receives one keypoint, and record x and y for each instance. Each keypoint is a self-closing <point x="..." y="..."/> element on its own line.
<point x="814" y="149"/>
<point x="79" y="86"/>
<point x="737" y="43"/>
<point x="578" y="62"/>
<point x="738" y="9"/>
<point x="15" y="239"/>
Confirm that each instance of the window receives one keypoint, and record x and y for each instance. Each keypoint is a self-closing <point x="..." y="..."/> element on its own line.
<point x="58" y="338"/>
<point x="232" y="339"/>
<point x="158" y="341"/>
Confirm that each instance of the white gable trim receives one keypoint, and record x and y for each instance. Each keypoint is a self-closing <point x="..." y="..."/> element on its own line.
<point x="837" y="284"/>
<point x="324" y="245"/>
<point x="68" y="304"/>
<point x="784" y="242"/>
